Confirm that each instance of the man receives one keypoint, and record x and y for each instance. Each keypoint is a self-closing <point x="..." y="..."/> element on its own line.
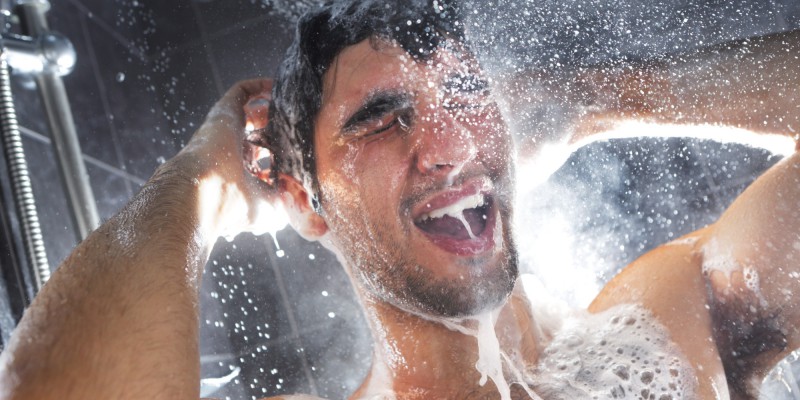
<point x="388" y="147"/>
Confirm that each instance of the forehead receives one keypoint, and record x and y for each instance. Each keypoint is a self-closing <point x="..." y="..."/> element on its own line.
<point x="371" y="65"/>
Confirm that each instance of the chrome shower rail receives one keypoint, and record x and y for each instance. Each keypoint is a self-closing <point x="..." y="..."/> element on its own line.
<point x="59" y="115"/>
<point x="45" y="56"/>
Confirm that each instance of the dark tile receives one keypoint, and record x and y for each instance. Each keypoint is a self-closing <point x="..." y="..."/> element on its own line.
<point x="273" y="369"/>
<point x="332" y="326"/>
<point x="174" y="23"/>
<point x="186" y="89"/>
<point x="111" y="191"/>
<point x="29" y="108"/>
<point x="549" y="34"/>
<point x="734" y="164"/>
<point x="149" y="26"/>
<point x="54" y="214"/>
<point x="319" y="291"/>
<point x="226" y="14"/>
<point x="136" y="112"/>
<point x="251" y="51"/>
<point x="244" y="323"/>
<point x="628" y="196"/>
<point x="788" y="13"/>
<point x="241" y="304"/>
<point x="91" y="122"/>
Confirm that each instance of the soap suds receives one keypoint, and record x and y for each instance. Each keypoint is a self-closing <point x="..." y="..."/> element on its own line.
<point x="622" y="353"/>
<point x="718" y="258"/>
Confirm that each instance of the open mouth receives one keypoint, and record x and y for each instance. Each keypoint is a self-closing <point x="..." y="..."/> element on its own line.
<point x="462" y="226"/>
<point x="463" y="220"/>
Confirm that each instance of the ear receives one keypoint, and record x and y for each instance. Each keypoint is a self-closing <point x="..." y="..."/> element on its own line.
<point x="297" y="203"/>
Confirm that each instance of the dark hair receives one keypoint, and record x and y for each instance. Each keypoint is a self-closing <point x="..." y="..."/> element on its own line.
<point x="418" y="26"/>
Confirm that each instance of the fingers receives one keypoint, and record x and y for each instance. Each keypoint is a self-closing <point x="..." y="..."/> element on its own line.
<point x="231" y="105"/>
<point x="242" y="91"/>
<point x="256" y="111"/>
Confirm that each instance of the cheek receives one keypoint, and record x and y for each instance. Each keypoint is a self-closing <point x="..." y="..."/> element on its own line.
<point x="383" y="166"/>
<point x="366" y="179"/>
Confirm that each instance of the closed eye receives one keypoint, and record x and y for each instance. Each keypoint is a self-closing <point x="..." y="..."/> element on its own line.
<point x="376" y="113"/>
<point x="401" y="119"/>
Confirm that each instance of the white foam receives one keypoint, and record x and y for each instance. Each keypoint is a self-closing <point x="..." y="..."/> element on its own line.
<point x="720" y="258"/>
<point x="620" y="353"/>
<point x="490" y="363"/>
<point x="456" y="210"/>
<point x="463" y="220"/>
<point x="491" y="358"/>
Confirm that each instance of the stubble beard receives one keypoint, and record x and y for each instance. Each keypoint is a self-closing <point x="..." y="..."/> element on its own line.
<point x="386" y="271"/>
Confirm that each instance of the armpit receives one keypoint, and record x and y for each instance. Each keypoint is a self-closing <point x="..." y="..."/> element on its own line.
<point x="747" y="329"/>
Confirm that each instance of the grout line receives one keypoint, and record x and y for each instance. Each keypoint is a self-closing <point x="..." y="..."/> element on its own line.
<point x="87" y="158"/>
<point x="207" y="49"/>
<point x="214" y="35"/>
<point x="102" y="24"/>
<point x="241" y="26"/>
<point x="106" y="105"/>
<point x="289" y="311"/>
<point x="252" y="348"/>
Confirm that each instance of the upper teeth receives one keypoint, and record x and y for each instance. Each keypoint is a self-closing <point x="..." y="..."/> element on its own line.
<point x="456" y="210"/>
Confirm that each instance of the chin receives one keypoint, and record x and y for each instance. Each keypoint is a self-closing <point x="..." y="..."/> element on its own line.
<point x="459" y="298"/>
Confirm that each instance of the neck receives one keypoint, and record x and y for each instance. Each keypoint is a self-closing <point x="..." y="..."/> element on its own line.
<point x="430" y="356"/>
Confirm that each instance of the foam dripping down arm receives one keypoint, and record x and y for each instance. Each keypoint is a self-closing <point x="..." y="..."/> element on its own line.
<point x="119" y="318"/>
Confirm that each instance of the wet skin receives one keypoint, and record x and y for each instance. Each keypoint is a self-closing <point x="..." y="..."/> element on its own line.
<point x="130" y="290"/>
<point x="375" y="180"/>
<point x="397" y="138"/>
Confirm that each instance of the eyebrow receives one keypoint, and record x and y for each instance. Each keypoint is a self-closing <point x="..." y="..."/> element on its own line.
<point x="377" y="105"/>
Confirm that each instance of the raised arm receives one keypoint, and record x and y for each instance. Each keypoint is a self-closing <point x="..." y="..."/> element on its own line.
<point x="119" y="318"/>
<point x="751" y="262"/>
<point x="752" y="84"/>
<point x="726" y="293"/>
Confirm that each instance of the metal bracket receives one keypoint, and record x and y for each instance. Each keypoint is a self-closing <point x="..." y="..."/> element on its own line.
<point x="50" y="52"/>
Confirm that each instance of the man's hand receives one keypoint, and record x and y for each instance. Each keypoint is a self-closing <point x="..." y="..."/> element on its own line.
<point x="236" y="194"/>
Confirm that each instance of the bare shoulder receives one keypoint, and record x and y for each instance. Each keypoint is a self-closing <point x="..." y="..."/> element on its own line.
<point x="669" y="282"/>
<point x="660" y="277"/>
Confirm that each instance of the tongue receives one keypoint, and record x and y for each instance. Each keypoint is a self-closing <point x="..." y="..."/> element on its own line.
<point x="467" y="227"/>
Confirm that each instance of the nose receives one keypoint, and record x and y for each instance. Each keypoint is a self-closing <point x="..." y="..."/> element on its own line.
<point x="443" y="144"/>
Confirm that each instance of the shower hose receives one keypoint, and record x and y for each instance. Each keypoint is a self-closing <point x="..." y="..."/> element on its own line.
<point x="20" y="181"/>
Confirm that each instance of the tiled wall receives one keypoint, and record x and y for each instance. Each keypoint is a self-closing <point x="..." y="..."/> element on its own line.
<point x="148" y="71"/>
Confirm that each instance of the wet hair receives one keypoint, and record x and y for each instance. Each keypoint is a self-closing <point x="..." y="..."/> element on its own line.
<point x="418" y="26"/>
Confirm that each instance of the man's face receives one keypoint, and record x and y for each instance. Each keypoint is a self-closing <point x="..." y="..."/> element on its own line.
<point x="414" y="165"/>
